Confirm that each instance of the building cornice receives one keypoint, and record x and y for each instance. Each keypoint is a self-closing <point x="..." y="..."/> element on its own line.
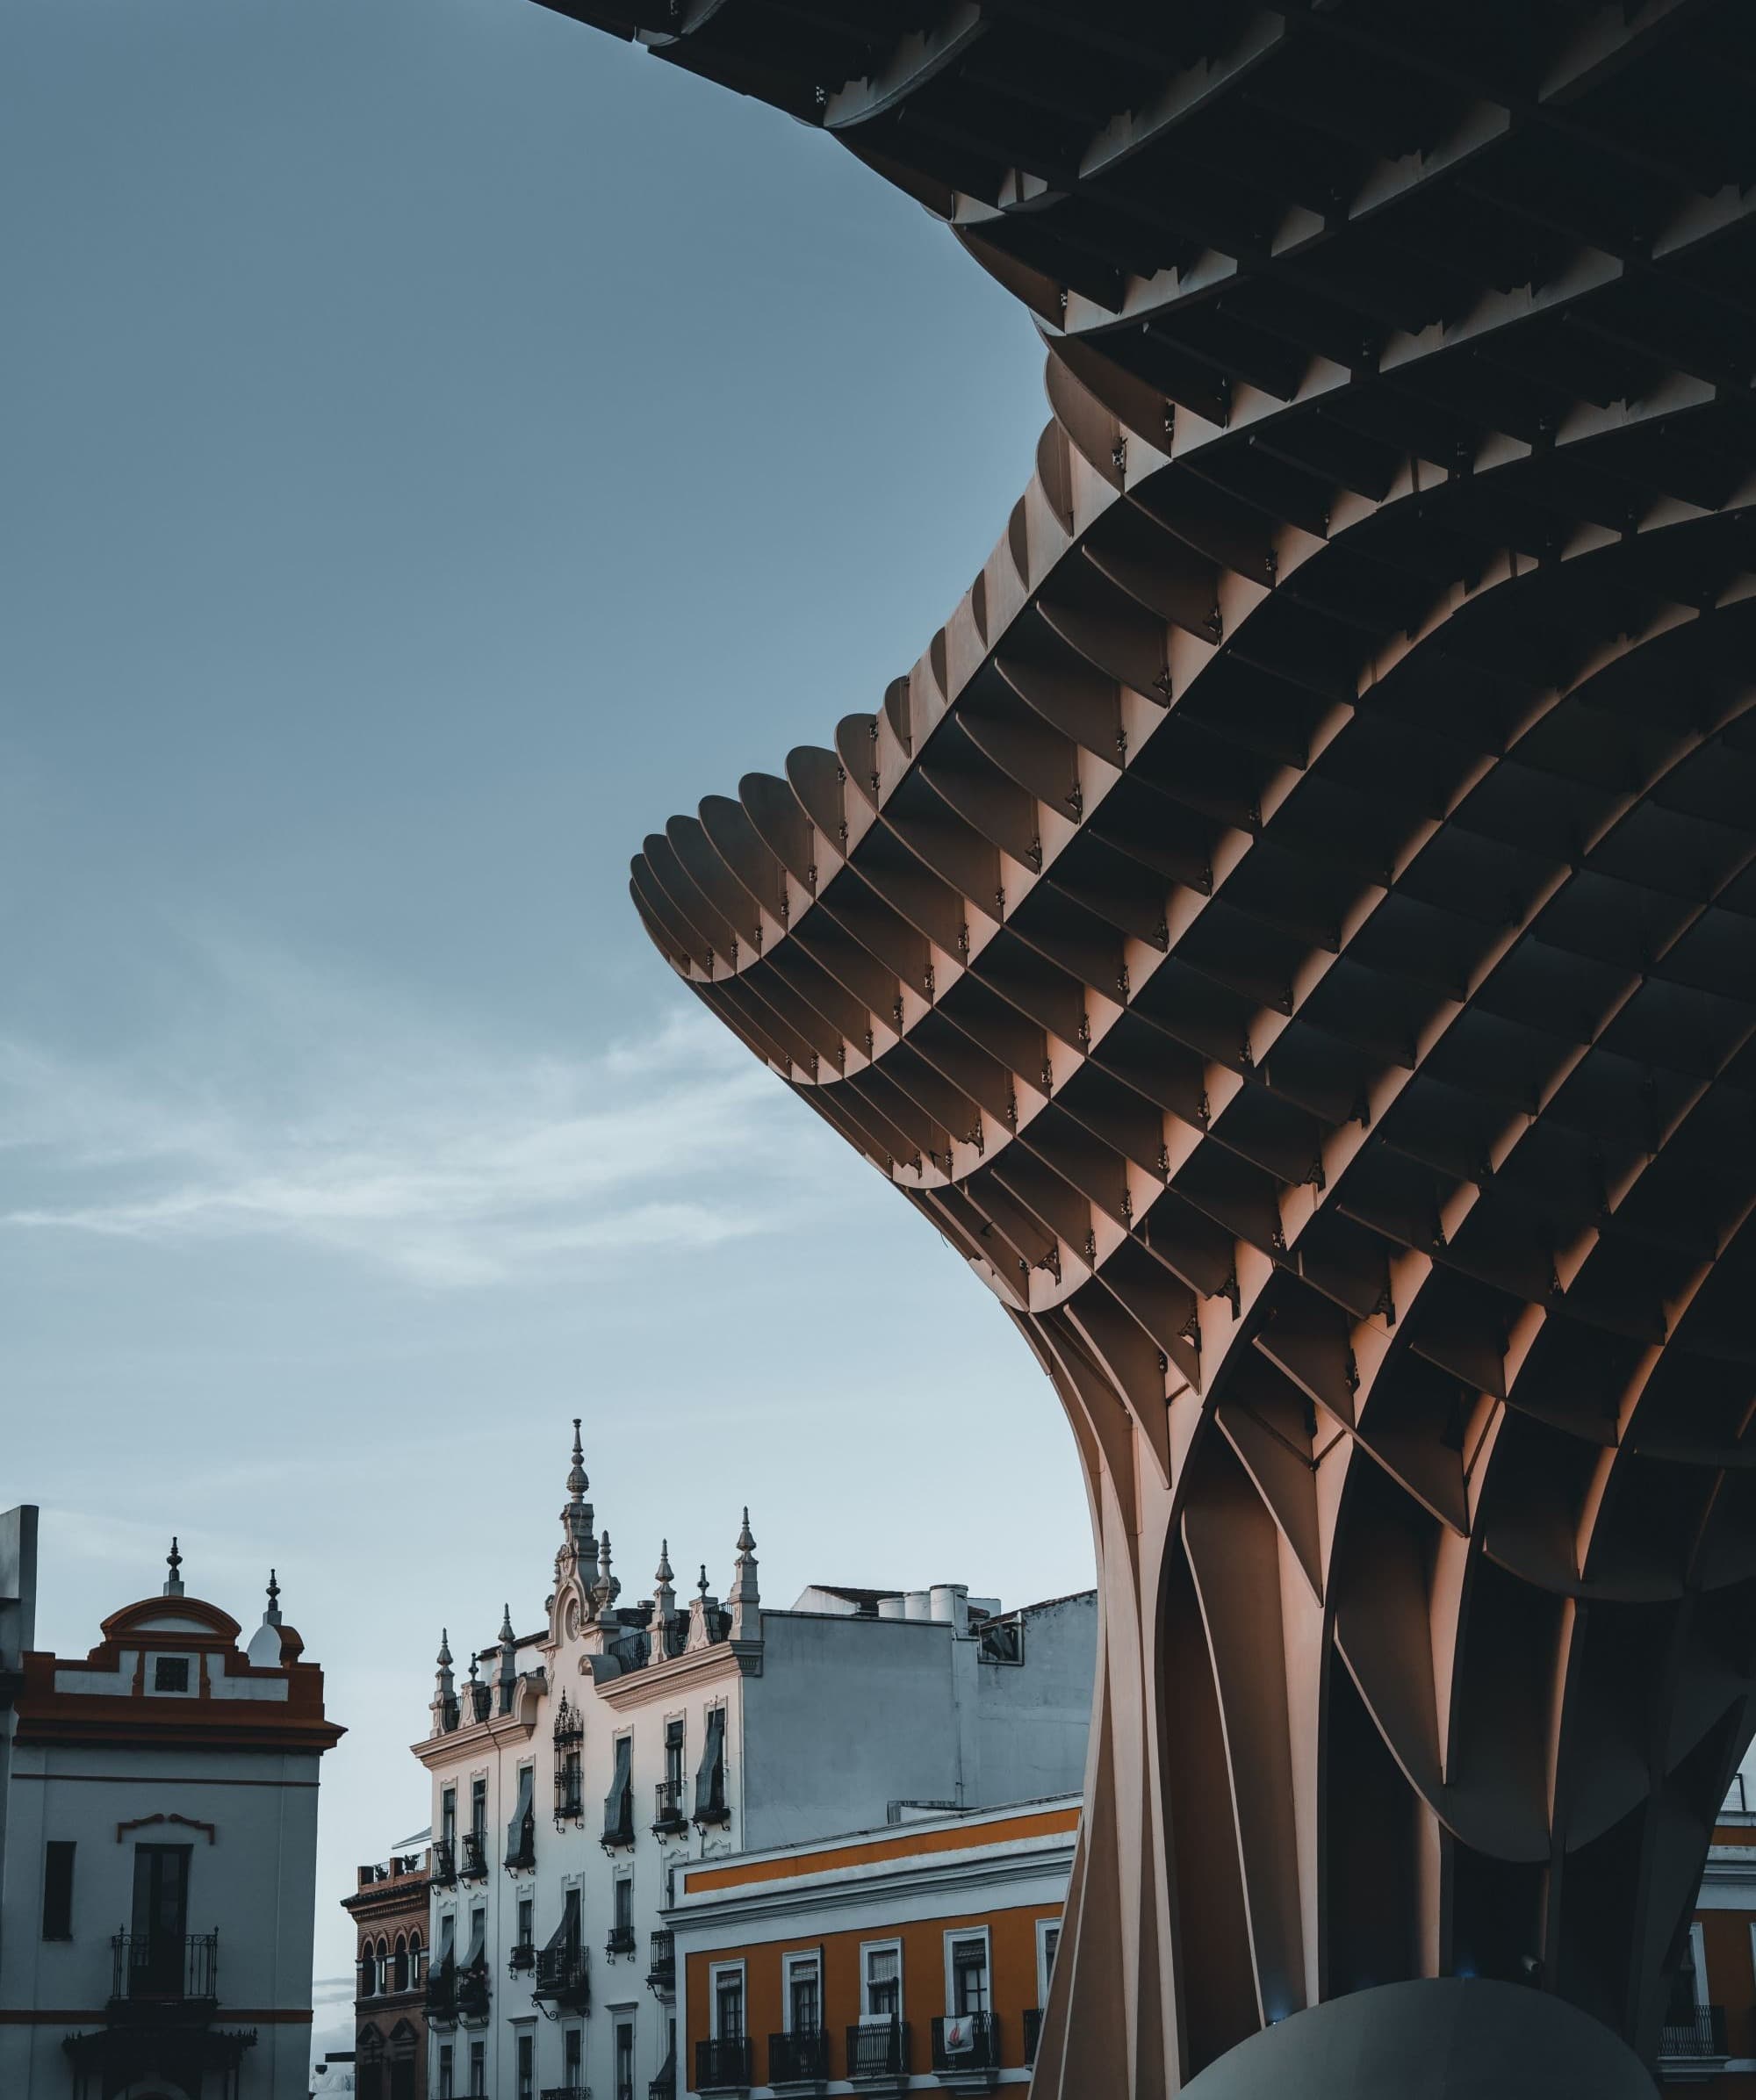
<point x="970" y="1874"/>
<point x="497" y="1730"/>
<point x="701" y="1665"/>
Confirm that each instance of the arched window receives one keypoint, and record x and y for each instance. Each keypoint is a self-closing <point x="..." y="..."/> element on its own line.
<point x="399" y="1967"/>
<point x="369" y="1970"/>
<point x="414" y="1970"/>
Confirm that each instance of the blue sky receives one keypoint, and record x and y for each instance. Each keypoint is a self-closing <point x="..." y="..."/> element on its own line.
<point x="441" y="443"/>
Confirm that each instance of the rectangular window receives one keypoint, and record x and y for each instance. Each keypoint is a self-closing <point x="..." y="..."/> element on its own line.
<point x="161" y="1910"/>
<point x="624" y="1905"/>
<point x="619" y="1801"/>
<point x="446" y="2072"/>
<point x="170" y="1673"/>
<point x="526" y="1928"/>
<point x="572" y="2058"/>
<point x="624" y="2059"/>
<point x="479" y="2070"/>
<point x="448" y="1816"/>
<point x="448" y="1935"/>
<point x="673" y="1753"/>
<point x="1048" y="1939"/>
<point x="729" y="2005"/>
<point x="710" y="1774"/>
<point x="478" y="1937"/>
<point x="58" y="1888"/>
<point x="967" y="1956"/>
<point x="570" y="1916"/>
<point x="805" y="1994"/>
<point x="883" y="1996"/>
<point x="527" y="2067"/>
<point x="478" y="1806"/>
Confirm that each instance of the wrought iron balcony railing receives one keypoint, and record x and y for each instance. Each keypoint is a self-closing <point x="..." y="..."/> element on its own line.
<point x="977" y="2050"/>
<point x="161" y="1966"/>
<point x="800" y="2055"/>
<point x="442" y="1994"/>
<point x="722" y="2066"/>
<point x="444" y="1862"/>
<point x="475" y="1866"/>
<point x="618" y="1823"/>
<point x="1693" y="2040"/>
<point x="523" y="1956"/>
<point x="661" y="1959"/>
<point x="878" y="2049"/>
<point x="1034" y="2019"/>
<point x="570" y="1797"/>
<point x="664" y="2087"/>
<point x="567" y="2092"/>
<point x="475" y="1996"/>
<point x="669" y="1813"/>
<point x="622" y="1940"/>
<point x="564" y="1976"/>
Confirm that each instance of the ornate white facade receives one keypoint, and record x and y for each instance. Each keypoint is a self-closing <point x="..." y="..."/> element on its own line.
<point x="575" y="1773"/>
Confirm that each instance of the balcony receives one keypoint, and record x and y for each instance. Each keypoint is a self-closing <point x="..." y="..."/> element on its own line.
<point x="441" y="1996"/>
<point x="1034" y="2020"/>
<point x="523" y="1958"/>
<point x="664" y="2087"/>
<point x="1694" y="2049"/>
<point x="723" y="2067"/>
<point x="444" y="1863"/>
<point x="966" y="2052"/>
<point x="564" y="1977"/>
<point x="570" y="1798"/>
<point x="475" y="1866"/>
<point x="799" y="2062"/>
<point x="669" y="1814"/>
<point x="520" y="1851"/>
<point x="878" y="2053"/>
<point x="475" y="1996"/>
<point x="622" y="1940"/>
<point x="159" y="1970"/>
<point x="661" y="1962"/>
<point x="567" y="2092"/>
<point x="618" y="1823"/>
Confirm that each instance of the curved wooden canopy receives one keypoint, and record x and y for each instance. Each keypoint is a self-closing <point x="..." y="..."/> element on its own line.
<point x="1294" y="931"/>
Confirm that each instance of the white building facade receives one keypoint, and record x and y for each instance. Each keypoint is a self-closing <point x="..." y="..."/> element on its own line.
<point x="594" y="1758"/>
<point x="157" y="1911"/>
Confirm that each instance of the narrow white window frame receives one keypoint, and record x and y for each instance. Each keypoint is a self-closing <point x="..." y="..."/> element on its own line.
<point x="1047" y="1928"/>
<point x="715" y="1970"/>
<point x="868" y="2018"/>
<point x="953" y="1934"/>
<point x="812" y="1958"/>
<point x="1698" y="1950"/>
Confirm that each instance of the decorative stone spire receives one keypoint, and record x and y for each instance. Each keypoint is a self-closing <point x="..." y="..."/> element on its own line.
<point x="508" y="1659"/>
<point x="271" y="1616"/>
<point x="664" y="1605"/>
<point x="746" y="1618"/>
<point x="444" y="1702"/>
<point x="576" y="1518"/>
<point x="703" y="1616"/>
<point x="174" y="1561"/>
<point x="607" y="1589"/>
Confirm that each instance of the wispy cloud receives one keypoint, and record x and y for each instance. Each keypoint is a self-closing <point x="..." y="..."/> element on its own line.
<point x="293" y="1103"/>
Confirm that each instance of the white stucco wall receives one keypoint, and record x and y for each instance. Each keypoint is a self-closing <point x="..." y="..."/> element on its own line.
<point x="254" y="1883"/>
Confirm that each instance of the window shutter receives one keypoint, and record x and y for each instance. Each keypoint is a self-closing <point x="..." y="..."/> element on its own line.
<point x="711" y="1777"/>
<point x="617" y="1801"/>
<point x="521" y="1814"/>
